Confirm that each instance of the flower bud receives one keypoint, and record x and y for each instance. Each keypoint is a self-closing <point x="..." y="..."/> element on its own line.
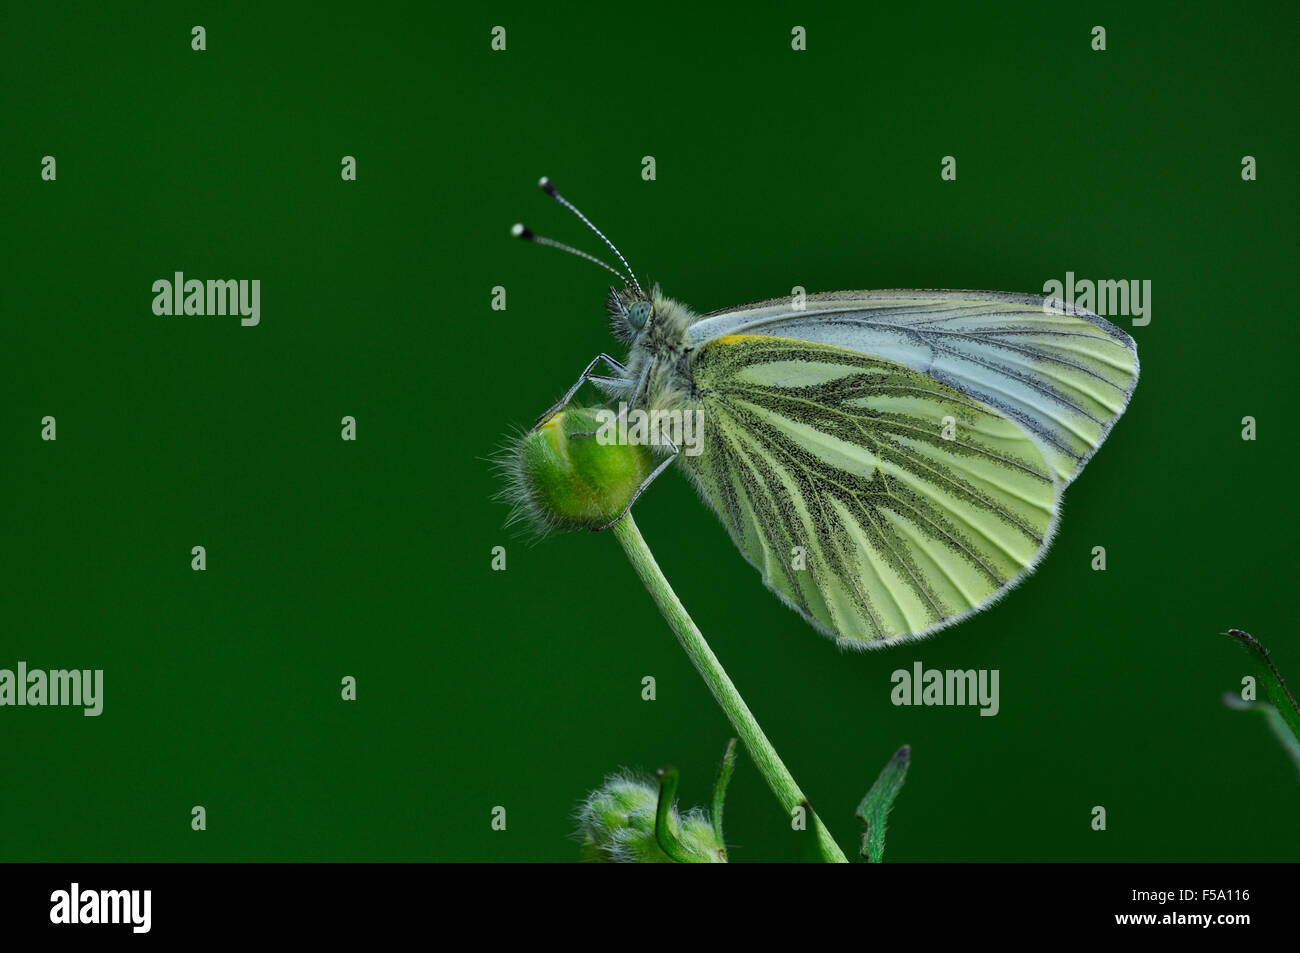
<point x="617" y="825"/>
<point x="556" y="480"/>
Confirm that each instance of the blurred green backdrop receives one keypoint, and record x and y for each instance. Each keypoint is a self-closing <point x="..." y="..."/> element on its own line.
<point x="372" y="559"/>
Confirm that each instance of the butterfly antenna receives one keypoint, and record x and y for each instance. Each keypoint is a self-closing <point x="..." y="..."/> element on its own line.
<point x="528" y="235"/>
<point x="547" y="186"/>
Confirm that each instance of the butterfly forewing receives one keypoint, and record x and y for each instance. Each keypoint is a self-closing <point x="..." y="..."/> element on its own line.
<point x="1060" y="372"/>
<point x="876" y="500"/>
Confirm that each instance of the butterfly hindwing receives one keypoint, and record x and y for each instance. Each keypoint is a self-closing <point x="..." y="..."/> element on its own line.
<point x="1062" y="373"/>
<point x="877" y="501"/>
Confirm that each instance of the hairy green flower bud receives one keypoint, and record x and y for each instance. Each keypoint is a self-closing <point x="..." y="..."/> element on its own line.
<point x="556" y="480"/>
<point x="617" y="825"/>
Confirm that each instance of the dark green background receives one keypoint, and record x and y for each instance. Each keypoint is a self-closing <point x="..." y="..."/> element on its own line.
<point x="371" y="559"/>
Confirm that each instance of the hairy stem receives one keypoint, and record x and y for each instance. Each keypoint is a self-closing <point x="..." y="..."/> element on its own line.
<point x="724" y="691"/>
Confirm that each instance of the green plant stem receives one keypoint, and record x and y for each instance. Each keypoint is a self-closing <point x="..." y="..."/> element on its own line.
<point x="769" y="764"/>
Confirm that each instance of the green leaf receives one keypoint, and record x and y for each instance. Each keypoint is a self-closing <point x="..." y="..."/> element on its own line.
<point x="875" y="807"/>
<point x="1274" y="684"/>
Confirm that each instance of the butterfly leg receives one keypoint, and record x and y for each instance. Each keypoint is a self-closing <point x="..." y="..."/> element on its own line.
<point x="642" y="488"/>
<point x="612" y="386"/>
<point x="560" y="404"/>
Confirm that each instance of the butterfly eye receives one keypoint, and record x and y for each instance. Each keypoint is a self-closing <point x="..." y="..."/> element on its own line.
<point x="638" y="314"/>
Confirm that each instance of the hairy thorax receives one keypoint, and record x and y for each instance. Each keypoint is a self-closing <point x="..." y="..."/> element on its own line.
<point x="660" y="359"/>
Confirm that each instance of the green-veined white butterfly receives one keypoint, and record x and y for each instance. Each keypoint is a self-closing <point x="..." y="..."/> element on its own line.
<point x="890" y="461"/>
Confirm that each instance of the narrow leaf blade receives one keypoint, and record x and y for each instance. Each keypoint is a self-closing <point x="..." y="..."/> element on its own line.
<point x="875" y="807"/>
<point x="1274" y="684"/>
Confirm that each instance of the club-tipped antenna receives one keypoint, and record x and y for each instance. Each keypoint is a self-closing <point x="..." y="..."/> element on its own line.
<point x="527" y="234"/>
<point x="547" y="186"/>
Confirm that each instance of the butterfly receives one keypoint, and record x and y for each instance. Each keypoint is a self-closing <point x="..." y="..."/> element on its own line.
<point x="890" y="461"/>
